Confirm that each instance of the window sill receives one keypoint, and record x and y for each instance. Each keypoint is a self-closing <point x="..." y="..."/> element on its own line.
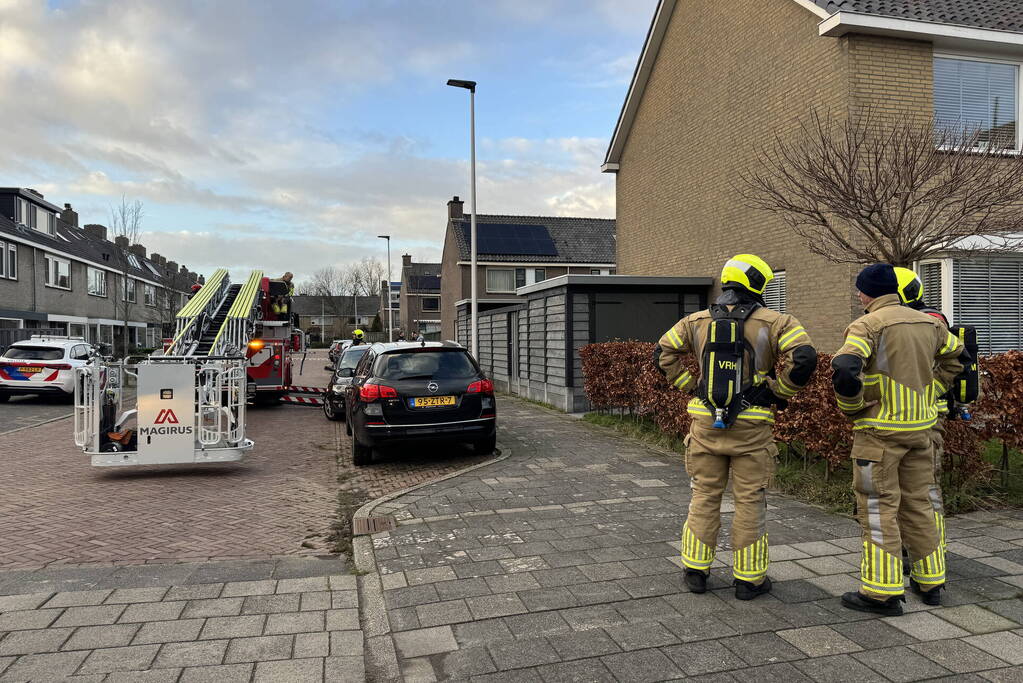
<point x="66" y="289"/>
<point x="98" y="296"/>
<point x="12" y="279"/>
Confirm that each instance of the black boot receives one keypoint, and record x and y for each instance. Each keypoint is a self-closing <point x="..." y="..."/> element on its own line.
<point x="744" y="590"/>
<point x="696" y="580"/>
<point x="930" y="597"/>
<point x="861" y="603"/>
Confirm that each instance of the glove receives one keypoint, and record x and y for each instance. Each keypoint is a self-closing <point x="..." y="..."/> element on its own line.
<point x="761" y="395"/>
<point x="657" y="359"/>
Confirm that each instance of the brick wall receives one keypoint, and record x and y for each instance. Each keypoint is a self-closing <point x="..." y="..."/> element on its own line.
<point x="723" y="86"/>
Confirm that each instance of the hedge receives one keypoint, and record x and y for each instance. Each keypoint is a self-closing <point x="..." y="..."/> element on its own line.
<point x="622" y="376"/>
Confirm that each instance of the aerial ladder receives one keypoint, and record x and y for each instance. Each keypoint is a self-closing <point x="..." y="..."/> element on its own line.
<point x="190" y="401"/>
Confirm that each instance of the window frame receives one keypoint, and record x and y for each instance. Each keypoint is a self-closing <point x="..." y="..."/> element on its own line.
<point x="423" y="301"/>
<point x="89" y="272"/>
<point x="125" y="291"/>
<point x="50" y="260"/>
<point x="486" y="280"/>
<point x="12" y="260"/>
<point x="149" y="294"/>
<point x="992" y="59"/>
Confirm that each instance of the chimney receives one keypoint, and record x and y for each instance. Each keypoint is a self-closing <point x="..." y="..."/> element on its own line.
<point x="121" y="241"/>
<point x="96" y="230"/>
<point x="455" y="208"/>
<point x="138" y="250"/>
<point x="172" y="267"/>
<point x="156" y="258"/>
<point x="69" y="215"/>
<point x="406" y="260"/>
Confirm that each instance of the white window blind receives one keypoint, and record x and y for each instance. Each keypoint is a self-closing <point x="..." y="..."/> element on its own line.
<point x="97" y="282"/>
<point x="977" y="96"/>
<point x="988" y="294"/>
<point x="776" y="293"/>
<point x="930" y="276"/>
<point x="500" y="280"/>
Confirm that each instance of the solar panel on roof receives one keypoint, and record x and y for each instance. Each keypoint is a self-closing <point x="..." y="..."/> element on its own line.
<point x="507" y="238"/>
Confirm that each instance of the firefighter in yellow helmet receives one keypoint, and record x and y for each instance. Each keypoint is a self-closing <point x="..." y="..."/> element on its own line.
<point x="887" y="375"/>
<point x="737" y="343"/>
<point x="358" y="337"/>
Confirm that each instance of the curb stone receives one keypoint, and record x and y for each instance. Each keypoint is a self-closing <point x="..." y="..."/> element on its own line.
<point x="380" y="654"/>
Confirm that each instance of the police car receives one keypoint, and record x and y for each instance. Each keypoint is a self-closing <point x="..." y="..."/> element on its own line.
<point x="43" y="366"/>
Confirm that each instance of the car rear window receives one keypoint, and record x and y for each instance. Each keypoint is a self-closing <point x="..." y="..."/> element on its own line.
<point x="351" y="357"/>
<point x="34" y="353"/>
<point x="423" y="364"/>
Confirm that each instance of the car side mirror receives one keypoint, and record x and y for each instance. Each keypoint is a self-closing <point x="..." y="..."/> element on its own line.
<point x="346" y="372"/>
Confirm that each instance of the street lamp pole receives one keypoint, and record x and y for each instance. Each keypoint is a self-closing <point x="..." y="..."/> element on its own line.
<point x="390" y="307"/>
<point x="471" y="87"/>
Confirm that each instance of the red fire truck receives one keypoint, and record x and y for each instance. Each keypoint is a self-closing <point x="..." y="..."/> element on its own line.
<point x="274" y="345"/>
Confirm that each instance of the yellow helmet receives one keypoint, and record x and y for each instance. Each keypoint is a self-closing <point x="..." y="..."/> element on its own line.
<point x="910" y="287"/>
<point x="358" y="334"/>
<point x="750" y="271"/>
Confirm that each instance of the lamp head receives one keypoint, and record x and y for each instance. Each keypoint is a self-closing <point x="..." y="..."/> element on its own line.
<point x="468" y="85"/>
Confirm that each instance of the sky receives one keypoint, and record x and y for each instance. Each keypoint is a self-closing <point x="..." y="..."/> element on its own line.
<point x="288" y="135"/>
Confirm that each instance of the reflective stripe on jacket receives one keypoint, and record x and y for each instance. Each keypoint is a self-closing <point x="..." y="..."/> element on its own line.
<point x="901" y="360"/>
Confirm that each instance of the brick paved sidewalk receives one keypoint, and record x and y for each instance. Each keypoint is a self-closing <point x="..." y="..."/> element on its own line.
<point x="561" y="564"/>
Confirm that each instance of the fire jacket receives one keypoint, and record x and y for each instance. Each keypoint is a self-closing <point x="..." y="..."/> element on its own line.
<point x="900" y="360"/>
<point x="770" y="334"/>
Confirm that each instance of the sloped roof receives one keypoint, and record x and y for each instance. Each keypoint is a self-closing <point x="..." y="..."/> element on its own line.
<point x="79" y="244"/>
<point x="577" y="240"/>
<point x="999" y="15"/>
<point x="422" y="284"/>
<point x="309" y="304"/>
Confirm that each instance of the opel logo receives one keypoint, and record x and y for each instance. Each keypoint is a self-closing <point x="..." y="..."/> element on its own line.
<point x="432" y="387"/>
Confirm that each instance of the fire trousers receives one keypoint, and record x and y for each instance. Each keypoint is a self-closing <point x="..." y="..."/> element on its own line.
<point x="893" y="473"/>
<point x="937" y="435"/>
<point x="746" y="453"/>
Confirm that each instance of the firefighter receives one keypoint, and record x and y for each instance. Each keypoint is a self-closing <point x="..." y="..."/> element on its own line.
<point x="357" y="337"/>
<point x="894" y="363"/>
<point x="287" y="278"/>
<point x="911" y="293"/>
<point x="737" y="343"/>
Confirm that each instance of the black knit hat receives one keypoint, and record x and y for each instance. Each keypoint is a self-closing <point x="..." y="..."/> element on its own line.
<point x="877" y="280"/>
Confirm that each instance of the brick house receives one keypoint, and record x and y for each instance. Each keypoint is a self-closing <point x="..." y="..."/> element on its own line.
<point x="515" y="252"/>
<point x="55" y="274"/>
<point x="420" y="298"/>
<point x="715" y="80"/>
<point x="334" y="317"/>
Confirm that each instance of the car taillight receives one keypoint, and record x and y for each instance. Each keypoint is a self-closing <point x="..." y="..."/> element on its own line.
<point x="370" y="392"/>
<point x="62" y="366"/>
<point x="483" y="386"/>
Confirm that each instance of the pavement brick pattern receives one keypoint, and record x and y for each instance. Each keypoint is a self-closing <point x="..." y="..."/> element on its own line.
<point x="302" y="627"/>
<point x="281" y="500"/>
<point x="27" y="411"/>
<point x="561" y="564"/>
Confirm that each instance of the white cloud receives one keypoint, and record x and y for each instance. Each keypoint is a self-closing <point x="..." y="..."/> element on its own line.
<point x="226" y="118"/>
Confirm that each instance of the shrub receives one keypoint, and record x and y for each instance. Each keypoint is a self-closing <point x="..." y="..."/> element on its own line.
<point x="622" y="376"/>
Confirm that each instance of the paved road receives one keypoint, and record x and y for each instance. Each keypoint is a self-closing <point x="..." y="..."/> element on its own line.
<point x="556" y="564"/>
<point x="26" y="411"/>
<point x="282" y="499"/>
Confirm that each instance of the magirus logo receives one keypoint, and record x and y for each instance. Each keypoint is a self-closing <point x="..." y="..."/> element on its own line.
<point x="166" y="416"/>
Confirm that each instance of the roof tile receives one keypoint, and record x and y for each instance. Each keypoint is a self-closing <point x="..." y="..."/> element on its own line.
<point x="1000" y="15"/>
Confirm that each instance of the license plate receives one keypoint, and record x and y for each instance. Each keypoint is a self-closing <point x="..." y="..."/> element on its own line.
<point x="432" y="401"/>
<point x="29" y="371"/>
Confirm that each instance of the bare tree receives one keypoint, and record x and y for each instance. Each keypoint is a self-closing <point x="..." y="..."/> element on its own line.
<point x="125" y="222"/>
<point x="864" y="188"/>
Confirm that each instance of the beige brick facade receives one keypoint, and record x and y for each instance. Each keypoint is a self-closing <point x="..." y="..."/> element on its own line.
<point x="724" y="85"/>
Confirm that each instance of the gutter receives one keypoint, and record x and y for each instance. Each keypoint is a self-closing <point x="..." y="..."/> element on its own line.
<point x="842" y="23"/>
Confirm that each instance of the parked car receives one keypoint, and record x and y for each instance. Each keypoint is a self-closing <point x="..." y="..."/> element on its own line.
<point x="42" y="365"/>
<point x="334" y="395"/>
<point x="335" y="350"/>
<point x="418" y="392"/>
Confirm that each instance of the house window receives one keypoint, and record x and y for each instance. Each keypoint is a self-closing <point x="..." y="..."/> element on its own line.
<point x="776" y="292"/>
<point x="987" y="293"/>
<point x="58" y="272"/>
<point x="977" y="96"/>
<point x="594" y="271"/>
<point x="540" y="274"/>
<point x="97" y="281"/>
<point x="431" y="303"/>
<point x="129" y="289"/>
<point x="149" y="292"/>
<point x="520" y="277"/>
<point x="21" y="211"/>
<point x="930" y="276"/>
<point x="500" y="280"/>
<point x="9" y="260"/>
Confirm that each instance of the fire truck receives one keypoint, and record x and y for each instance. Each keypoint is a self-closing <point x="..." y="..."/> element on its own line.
<point x="232" y="343"/>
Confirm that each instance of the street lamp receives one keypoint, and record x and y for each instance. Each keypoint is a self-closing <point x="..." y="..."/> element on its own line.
<point x="390" y="307"/>
<point x="471" y="87"/>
